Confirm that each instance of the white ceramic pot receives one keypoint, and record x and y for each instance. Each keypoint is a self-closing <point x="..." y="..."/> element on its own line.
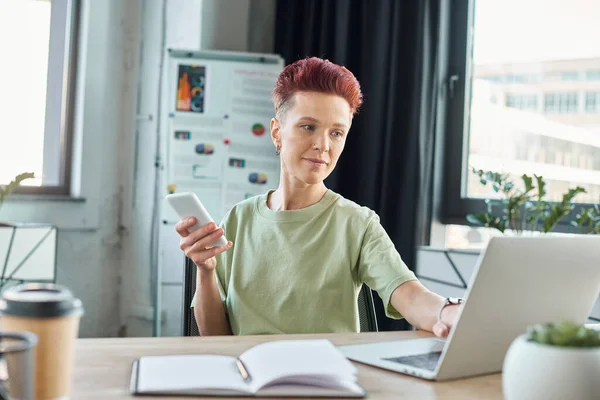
<point x="534" y="371"/>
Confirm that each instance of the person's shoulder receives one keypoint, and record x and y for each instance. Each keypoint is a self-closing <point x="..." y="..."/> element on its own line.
<point x="248" y="205"/>
<point x="244" y="209"/>
<point x="350" y="209"/>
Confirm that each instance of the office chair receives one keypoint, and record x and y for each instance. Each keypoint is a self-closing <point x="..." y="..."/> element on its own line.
<point x="366" y="308"/>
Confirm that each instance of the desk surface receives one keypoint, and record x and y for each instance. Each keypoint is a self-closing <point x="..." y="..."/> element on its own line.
<point x="103" y="366"/>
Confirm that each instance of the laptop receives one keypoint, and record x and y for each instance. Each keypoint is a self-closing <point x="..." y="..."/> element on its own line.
<point x="518" y="282"/>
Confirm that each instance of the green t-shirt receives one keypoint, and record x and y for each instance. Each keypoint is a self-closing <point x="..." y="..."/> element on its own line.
<point x="300" y="271"/>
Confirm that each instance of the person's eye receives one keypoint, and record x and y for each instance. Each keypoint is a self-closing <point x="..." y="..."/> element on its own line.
<point x="338" y="134"/>
<point x="308" y="127"/>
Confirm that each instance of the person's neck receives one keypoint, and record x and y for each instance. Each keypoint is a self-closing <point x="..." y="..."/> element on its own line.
<point x="294" y="197"/>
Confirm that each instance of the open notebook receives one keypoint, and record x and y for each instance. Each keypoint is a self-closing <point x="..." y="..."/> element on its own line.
<point x="298" y="368"/>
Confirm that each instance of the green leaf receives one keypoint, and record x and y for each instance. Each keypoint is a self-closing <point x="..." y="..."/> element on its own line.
<point x="528" y="182"/>
<point x="556" y="214"/>
<point x="508" y="186"/>
<point x="514" y="203"/>
<point x="488" y="220"/>
<point x="501" y="225"/>
<point x="477" y="219"/>
<point x="8" y="189"/>
<point x="571" y="193"/>
<point x="541" y="185"/>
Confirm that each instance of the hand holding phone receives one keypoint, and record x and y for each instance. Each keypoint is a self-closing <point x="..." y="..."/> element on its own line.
<point x="187" y="205"/>
<point x="201" y="239"/>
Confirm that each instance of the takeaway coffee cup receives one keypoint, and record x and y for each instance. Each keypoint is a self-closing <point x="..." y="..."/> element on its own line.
<point x="51" y="313"/>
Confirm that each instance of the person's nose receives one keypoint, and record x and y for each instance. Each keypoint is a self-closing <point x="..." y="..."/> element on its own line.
<point x="322" y="142"/>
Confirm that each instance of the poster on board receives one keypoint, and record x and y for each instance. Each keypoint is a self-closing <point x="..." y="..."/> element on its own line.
<point x="218" y="142"/>
<point x="191" y="87"/>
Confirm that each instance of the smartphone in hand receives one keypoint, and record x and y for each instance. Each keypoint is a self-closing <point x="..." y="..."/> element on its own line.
<point x="187" y="204"/>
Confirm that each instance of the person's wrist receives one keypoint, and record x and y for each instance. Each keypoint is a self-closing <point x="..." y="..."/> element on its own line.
<point x="205" y="273"/>
<point x="448" y="308"/>
<point x="448" y="313"/>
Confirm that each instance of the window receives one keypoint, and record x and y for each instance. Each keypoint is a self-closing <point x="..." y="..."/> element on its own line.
<point x="561" y="103"/>
<point x="570" y="76"/>
<point x="37" y="40"/>
<point x="493" y="78"/>
<point x="513" y="78"/>
<point x="522" y="102"/>
<point x="592" y="102"/>
<point x="561" y="143"/>
<point x="593" y="75"/>
<point x="516" y="79"/>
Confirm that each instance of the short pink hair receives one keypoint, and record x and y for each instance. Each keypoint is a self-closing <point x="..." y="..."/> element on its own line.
<point x="316" y="75"/>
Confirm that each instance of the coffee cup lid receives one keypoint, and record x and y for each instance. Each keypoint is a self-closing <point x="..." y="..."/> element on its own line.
<point x="45" y="300"/>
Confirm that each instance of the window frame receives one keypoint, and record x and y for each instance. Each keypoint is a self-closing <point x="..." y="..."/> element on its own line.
<point x="59" y="116"/>
<point x="454" y="206"/>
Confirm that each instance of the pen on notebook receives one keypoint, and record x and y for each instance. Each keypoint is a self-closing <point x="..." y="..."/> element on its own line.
<point x="243" y="370"/>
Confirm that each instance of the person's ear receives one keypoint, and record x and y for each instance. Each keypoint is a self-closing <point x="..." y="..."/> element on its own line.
<point x="275" y="132"/>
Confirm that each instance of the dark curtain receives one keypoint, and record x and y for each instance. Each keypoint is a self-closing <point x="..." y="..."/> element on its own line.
<point x="390" y="45"/>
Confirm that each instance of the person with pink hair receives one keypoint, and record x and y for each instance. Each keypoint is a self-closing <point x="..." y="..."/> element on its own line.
<point x="298" y="255"/>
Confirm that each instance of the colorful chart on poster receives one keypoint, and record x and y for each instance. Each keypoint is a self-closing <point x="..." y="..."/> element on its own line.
<point x="258" y="129"/>
<point x="191" y="86"/>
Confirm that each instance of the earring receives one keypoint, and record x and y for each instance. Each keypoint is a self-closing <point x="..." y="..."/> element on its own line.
<point x="278" y="150"/>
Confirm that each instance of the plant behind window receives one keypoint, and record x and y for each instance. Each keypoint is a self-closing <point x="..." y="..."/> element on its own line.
<point x="5" y="190"/>
<point x="523" y="209"/>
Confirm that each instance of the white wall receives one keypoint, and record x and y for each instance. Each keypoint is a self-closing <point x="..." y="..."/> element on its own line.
<point x="261" y="30"/>
<point x="90" y="231"/>
<point x="163" y="25"/>
<point x="225" y="24"/>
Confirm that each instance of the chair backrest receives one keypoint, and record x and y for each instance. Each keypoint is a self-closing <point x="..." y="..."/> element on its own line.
<point x="366" y="307"/>
<point x="190" y="328"/>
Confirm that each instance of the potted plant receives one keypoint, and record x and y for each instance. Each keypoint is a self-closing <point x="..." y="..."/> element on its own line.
<point x="522" y="208"/>
<point x="553" y="361"/>
<point x="5" y="190"/>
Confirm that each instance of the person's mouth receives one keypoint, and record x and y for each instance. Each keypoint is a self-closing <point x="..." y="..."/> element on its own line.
<point x="316" y="162"/>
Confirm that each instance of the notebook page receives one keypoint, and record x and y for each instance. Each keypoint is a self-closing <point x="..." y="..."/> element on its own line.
<point x="172" y="374"/>
<point x="307" y="360"/>
<point x="345" y="390"/>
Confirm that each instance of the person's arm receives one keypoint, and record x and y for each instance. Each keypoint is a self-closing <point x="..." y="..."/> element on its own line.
<point x="420" y="307"/>
<point x="382" y="269"/>
<point x="208" y="309"/>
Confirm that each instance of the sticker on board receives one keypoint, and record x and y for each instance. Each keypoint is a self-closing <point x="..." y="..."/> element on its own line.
<point x="257" y="178"/>
<point x="204" y="148"/>
<point x="183" y="135"/>
<point x="237" y="163"/>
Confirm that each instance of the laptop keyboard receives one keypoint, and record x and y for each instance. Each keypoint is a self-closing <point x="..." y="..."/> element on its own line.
<point x="426" y="361"/>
